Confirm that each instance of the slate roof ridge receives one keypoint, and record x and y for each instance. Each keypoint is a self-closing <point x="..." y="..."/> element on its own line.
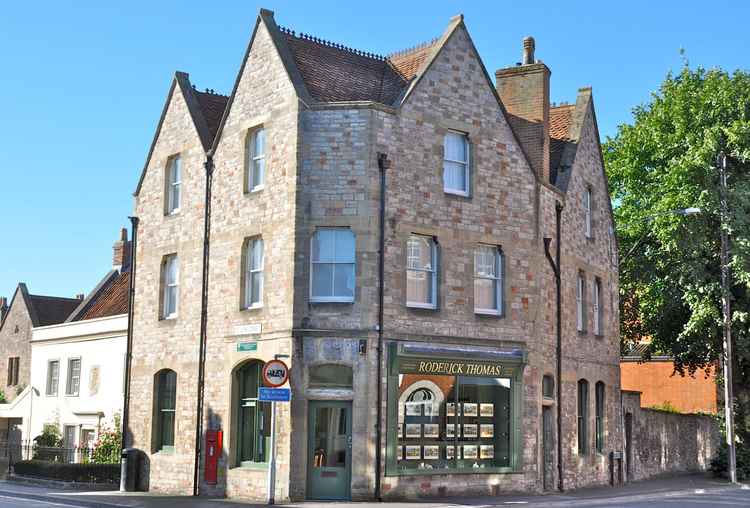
<point x="323" y="42"/>
<point x="48" y="310"/>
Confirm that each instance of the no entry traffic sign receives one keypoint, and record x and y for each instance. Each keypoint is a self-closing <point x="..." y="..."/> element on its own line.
<point x="275" y="373"/>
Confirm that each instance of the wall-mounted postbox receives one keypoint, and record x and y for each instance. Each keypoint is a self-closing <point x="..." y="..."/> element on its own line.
<point x="213" y="452"/>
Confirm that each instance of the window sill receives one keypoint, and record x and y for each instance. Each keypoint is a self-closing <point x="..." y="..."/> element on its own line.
<point x="72" y="395"/>
<point x="488" y="313"/>
<point x="331" y="300"/>
<point x="423" y="306"/>
<point x="256" y="306"/>
<point x="171" y="317"/>
<point x="598" y="335"/>
<point x="166" y="450"/>
<point x="252" y="466"/>
<point x="174" y="212"/>
<point x="582" y="333"/>
<point x="459" y="193"/>
<point x="255" y="190"/>
<point x="50" y="395"/>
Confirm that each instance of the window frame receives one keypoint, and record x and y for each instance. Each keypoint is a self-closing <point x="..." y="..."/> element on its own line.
<point x="583" y="416"/>
<point x="13" y="367"/>
<point x="166" y="287"/>
<point x="466" y="164"/>
<point x="69" y="378"/>
<point x="173" y="182"/>
<point x="597" y="307"/>
<point x="251" y="157"/>
<point x="581" y="316"/>
<point x="249" y="273"/>
<point x="260" y="408"/>
<point x="434" y="258"/>
<point x="498" y="281"/>
<point x="600" y="397"/>
<point x="47" y="391"/>
<point x="333" y="299"/>
<point x="158" y="444"/>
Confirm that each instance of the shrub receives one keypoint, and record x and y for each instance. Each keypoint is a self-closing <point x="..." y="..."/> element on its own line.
<point x="720" y="463"/>
<point x="108" y="447"/>
<point x="83" y="473"/>
<point x="665" y="406"/>
<point x="3" y="400"/>
<point x="50" y="436"/>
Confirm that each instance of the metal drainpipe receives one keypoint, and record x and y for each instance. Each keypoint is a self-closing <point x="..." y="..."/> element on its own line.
<point x="383" y="165"/>
<point x="556" y="269"/>
<point x="209" y="166"/>
<point x="129" y="346"/>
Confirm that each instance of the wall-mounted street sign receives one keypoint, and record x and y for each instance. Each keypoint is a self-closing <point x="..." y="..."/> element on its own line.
<point x="275" y="373"/>
<point x="274" y="394"/>
<point x="247" y="346"/>
<point x="251" y="329"/>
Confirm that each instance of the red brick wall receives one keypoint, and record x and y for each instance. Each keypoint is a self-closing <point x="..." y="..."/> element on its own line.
<point x="657" y="385"/>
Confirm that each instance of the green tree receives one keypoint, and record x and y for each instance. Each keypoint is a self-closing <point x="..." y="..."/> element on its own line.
<point x="670" y="268"/>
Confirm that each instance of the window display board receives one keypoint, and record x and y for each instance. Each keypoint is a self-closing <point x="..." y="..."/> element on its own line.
<point x="452" y="411"/>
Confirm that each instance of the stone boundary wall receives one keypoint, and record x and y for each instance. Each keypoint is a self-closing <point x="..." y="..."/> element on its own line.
<point x="664" y="442"/>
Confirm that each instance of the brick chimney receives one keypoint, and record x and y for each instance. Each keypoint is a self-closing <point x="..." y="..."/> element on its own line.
<point x="121" y="252"/>
<point x="524" y="90"/>
<point x="3" y="307"/>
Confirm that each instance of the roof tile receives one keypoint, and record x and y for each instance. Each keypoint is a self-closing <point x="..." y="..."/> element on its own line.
<point x="111" y="301"/>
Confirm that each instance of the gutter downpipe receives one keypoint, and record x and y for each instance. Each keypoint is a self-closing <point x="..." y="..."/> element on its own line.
<point x="209" y="166"/>
<point x="556" y="269"/>
<point x="383" y="165"/>
<point x="129" y="350"/>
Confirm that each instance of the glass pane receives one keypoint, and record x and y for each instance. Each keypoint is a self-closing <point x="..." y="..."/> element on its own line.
<point x="344" y="251"/>
<point x="170" y="306"/>
<point x="256" y="288"/>
<point x="175" y="199"/>
<point x="323" y="248"/>
<point x="481" y="397"/>
<point x="343" y="281"/>
<point x="419" y="252"/>
<point x="485" y="261"/>
<point x="259" y="172"/>
<point x="419" y="287"/>
<point x="455" y="147"/>
<point x="329" y="443"/>
<point x="172" y="270"/>
<point x="322" y="280"/>
<point x="331" y="376"/>
<point x="259" y="147"/>
<point x="167" y="428"/>
<point x="257" y="255"/>
<point x="454" y="176"/>
<point x="485" y="294"/>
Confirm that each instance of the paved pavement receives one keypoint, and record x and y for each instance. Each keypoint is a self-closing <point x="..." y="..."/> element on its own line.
<point x="686" y="491"/>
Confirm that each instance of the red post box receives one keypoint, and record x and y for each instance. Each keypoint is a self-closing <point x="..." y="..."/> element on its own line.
<point x="213" y="452"/>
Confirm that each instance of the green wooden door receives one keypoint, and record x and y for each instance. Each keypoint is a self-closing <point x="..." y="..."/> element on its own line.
<point x="329" y="456"/>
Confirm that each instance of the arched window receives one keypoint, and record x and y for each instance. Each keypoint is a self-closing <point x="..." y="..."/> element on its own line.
<point x="583" y="416"/>
<point x="253" y="424"/>
<point x="165" y="399"/>
<point x="599" y="394"/>
<point x="420" y="402"/>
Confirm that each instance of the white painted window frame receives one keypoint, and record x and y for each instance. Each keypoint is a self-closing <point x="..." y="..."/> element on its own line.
<point x="332" y="299"/>
<point x="597" y="306"/>
<point x="497" y="280"/>
<point x="432" y="305"/>
<point x="253" y="271"/>
<point x="174" y="184"/>
<point x="580" y="304"/>
<point x="49" y="384"/>
<point x="69" y="377"/>
<point x="587" y="199"/>
<point x="252" y="158"/>
<point x="167" y="285"/>
<point x="466" y="164"/>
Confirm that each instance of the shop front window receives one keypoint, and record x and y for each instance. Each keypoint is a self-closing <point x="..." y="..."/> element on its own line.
<point x="451" y="422"/>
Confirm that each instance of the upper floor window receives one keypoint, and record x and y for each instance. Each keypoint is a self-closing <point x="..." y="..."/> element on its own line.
<point x="170" y="293"/>
<point x="53" y="377"/>
<point x="581" y="303"/>
<point x="597" y="306"/>
<point x="174" y="180"/>
<point x="253" y="294"/>
<point x="488" y="298"/>
<point x="599" y="397"/>
<point x="73" y="384"/>
<point x="587" y="211"/>
<point x="548" y="387"/>
<point x="255" y="152"/>
<point x="456" y="163"/>
<point x="583" y="416"/>
<point x="13" y="366"/>
<point x="165" y="403"/>
<point x="421" y="272"/>
<point x="332" y="270"/>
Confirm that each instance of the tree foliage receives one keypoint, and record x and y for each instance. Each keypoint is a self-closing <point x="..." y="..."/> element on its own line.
<point x="669" y="263"/>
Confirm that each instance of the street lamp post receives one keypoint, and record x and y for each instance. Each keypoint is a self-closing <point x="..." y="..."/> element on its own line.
<point x="721" y="162"/>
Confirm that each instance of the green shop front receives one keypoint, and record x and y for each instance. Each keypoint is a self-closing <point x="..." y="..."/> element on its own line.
<point x="453" y="409"/>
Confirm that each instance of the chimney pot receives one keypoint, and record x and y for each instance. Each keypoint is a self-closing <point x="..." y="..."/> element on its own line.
<point x="121" y="252"/>
<point x="79" y="296"/>
<point x="528" y="50"/>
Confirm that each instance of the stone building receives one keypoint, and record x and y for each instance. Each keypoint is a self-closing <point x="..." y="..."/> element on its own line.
<point x="430" y="370"/>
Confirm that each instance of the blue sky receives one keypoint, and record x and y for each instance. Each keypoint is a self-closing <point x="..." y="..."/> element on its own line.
<point x="83" y="84"/>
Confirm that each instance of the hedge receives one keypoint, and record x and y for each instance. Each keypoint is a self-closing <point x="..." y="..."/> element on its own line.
<point x="84" y="473"/>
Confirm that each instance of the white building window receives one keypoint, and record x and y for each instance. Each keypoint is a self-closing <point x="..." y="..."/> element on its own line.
<point x="170" y="287"/>
<point x="488" y="280"/>
<point x="581" y="303"/>
<point x="597" y="306"/>
<point x="53" y="377"/>
<point x="456" y="176"/>
<point x="253" y="273"/>
<point x="587" y="211"/>
<point x="174" y="180"/>
<point x="255" y="152"/>
<point x="421" y="272"/>
<point x="73" y="384"/>
<point x="332" y="265"/>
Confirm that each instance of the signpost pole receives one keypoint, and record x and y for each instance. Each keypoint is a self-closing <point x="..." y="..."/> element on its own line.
<point x="272" y="453"/>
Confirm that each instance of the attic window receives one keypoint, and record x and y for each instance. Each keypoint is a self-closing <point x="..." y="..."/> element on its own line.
<point x="456" y="163"/>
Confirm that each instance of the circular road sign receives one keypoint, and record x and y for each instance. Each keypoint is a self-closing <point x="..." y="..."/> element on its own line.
<point x="275" y="373"/>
